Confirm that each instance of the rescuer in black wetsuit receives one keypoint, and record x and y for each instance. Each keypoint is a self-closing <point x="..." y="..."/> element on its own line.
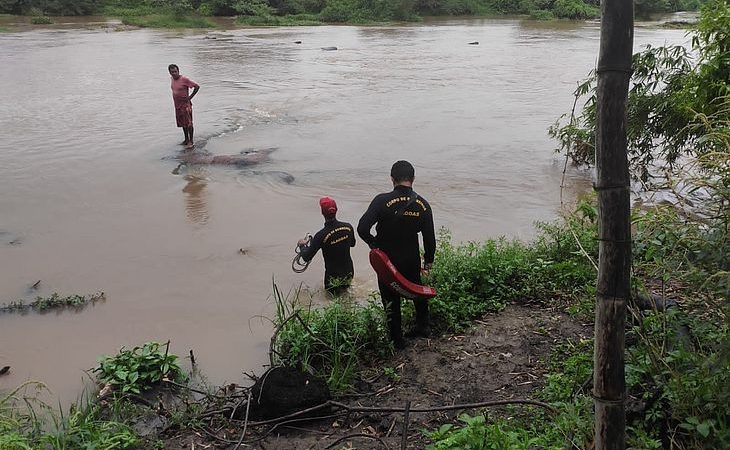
<point x="400" y="215"/>
<point x="335" y="240"/>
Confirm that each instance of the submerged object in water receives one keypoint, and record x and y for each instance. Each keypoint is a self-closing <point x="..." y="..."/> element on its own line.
<point x="247" y="158"/>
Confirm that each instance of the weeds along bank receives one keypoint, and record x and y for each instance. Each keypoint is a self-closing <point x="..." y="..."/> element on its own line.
<point x="677" y="352"/>
<point x="194" y="13"/>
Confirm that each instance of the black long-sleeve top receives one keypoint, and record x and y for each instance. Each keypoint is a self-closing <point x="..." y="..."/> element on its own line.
<point x="397" y="235"/>
<point x="335" y="240"/>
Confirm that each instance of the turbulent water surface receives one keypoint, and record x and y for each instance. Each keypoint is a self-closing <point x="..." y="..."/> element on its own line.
<point x="93" y="198"/>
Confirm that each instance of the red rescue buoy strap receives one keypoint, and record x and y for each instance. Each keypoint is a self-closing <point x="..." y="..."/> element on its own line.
<point x="388" y="274"/>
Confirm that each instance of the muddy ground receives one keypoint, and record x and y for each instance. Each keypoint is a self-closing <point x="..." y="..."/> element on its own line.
<point x="504" y="357"/>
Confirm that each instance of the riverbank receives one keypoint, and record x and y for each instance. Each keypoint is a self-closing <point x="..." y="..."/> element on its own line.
<point x="504" y="358"/>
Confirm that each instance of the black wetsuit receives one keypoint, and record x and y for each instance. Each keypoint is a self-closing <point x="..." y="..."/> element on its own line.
<point x="335" y="240"/>
<point x="397" y="235"/>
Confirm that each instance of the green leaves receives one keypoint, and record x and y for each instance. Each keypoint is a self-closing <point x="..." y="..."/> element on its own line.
<point x="138" y="369"/>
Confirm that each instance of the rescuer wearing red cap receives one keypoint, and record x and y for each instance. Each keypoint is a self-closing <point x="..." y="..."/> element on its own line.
<point x="398" y="217"/>
<point x="335" y="240"/>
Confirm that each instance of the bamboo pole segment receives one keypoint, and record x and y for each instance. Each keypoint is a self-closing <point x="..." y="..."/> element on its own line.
<point x="612" y="186"/>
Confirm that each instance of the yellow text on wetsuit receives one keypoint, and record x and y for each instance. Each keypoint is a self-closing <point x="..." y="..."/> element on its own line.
<point x="333" y="232"/>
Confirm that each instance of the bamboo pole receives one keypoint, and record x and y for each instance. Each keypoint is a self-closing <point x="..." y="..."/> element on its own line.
<point x="612" y="186"/>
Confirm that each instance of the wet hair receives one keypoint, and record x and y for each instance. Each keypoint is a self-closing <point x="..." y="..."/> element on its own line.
<point x="173" y="66"/>
<point x="402" y="171"/>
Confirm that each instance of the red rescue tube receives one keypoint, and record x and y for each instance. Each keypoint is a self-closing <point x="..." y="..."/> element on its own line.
<point x="388" y="274"/>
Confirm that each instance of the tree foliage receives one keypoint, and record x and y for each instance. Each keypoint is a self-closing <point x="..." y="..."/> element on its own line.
<point x="678" y="129"/>
<point x="671" y="96"/>
<point x="335" y="10"/>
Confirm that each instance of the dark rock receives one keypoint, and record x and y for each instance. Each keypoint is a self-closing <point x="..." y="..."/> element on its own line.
<point x="653" y="301"/>
<point x="284" y="390"/>
<point x="474" y="43"/>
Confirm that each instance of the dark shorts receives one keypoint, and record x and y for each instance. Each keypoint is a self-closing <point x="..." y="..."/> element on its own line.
<point x="184" y="116"/>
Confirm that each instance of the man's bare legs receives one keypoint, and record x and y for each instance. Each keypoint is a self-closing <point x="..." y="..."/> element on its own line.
<point x="188" y="142"/>
<point x="189" y="136"/>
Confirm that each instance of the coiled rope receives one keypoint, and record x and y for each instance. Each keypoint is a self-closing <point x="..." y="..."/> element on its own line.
<point x="298" y="264"/>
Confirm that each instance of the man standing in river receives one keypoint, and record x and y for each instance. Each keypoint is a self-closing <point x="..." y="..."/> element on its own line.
<point x="335" y="240"/>
<point x="400" y="215"/>
<point x="181" y="96"/>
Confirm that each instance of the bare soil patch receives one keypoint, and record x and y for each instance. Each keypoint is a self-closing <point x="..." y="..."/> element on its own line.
<point x="503" y="357"/>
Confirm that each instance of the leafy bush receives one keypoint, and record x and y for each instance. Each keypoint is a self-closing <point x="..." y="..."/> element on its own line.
<point x="569" y="427"/>
<point x="139" y="369"/>
<point x="541" y="14"/>
<point x="472" y="279"/>
<point x="669" y="101"/>
<point x="681" y="378"/>
<point x="167" y="21"/>
<point x="461" y="7"/>
<point x="575" y="9"/>
<point x="337" y="11"/>
<point x="281" y="21"/>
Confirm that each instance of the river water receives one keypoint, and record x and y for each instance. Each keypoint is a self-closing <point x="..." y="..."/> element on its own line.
<point x="90" y="202"/>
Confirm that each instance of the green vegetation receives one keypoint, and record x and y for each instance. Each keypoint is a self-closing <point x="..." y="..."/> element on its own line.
<point x="41" y="20"/>
<point x="139" y="369"/>
<point x="96" y="422"/>
<point x="474" y="278"/>
<point x="54" y="302"/>
<point x="675" y="106"/>
<point x="331" y="342"/>
<point x="28" y="424"/>
<point x="157" y="14"/>
<point x="192" y="13"/>
<point x="168" y="21"/>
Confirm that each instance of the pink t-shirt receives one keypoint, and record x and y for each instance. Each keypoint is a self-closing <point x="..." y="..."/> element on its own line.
<point x="180" y="90"/>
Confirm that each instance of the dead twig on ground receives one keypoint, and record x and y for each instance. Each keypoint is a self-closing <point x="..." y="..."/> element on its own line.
<point x="404" y="433"/>
<point x="245" y="422"/>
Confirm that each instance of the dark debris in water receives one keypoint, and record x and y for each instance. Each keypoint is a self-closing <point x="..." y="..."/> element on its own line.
<point x="54" y="302"/>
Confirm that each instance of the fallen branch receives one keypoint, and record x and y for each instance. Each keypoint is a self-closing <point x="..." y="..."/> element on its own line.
<point x="374" y="409"/>
<point x="444" y="408"/>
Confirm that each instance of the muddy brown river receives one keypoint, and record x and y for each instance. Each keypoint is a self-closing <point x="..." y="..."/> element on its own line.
<point x="91" y="201"/>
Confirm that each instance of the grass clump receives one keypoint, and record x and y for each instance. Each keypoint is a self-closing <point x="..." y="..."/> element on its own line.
<point x="333" y="342"/>
<point x="28" y="424"/>
<point x="139" y="369"/>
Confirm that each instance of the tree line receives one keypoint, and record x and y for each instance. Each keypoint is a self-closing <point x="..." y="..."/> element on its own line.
<point x="336" y="10"/>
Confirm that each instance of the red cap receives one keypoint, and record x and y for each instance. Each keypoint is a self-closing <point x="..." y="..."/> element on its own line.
<point x="328" y="205"/>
